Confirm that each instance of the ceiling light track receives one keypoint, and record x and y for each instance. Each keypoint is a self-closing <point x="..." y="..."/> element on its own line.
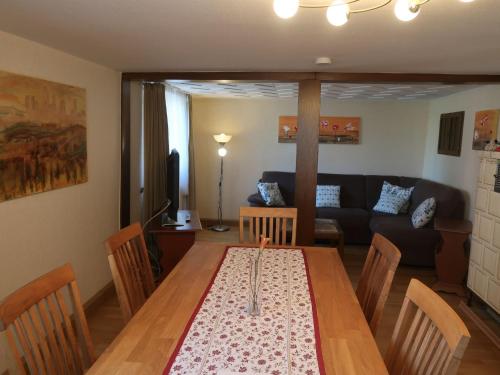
<point x="339" y="11"/>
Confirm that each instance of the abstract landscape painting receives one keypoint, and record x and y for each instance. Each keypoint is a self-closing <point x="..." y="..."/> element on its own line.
<point x="331" y="129"/>
<point x="43" y="136"/>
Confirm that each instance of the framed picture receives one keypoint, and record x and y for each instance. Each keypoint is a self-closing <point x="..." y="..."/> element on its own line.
<point x="485" y="128"/>
<point x="344" y="130"/>
<point x="43" y="136"/>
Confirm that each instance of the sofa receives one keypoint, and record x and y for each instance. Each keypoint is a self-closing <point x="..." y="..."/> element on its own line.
<point x="360" y="193"/>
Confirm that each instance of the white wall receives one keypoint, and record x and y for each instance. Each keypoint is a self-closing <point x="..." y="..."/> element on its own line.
<point x="460" y="172"/>
<point x="43" y="231"/>
<point x="392" y="142"/>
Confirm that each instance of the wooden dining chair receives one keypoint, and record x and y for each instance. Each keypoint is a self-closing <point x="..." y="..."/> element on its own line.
<point x="44" y="334"/>
<point x="429" y="336"/>
<point x="131" y="269"/>
<point x="376" y="279"/>
<point x="270" y="222"/>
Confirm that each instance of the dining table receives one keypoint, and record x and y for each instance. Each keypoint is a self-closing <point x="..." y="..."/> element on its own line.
<point x="151" y="337"/>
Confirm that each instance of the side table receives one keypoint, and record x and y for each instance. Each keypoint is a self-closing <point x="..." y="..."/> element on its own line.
<point x="451" y="261"/>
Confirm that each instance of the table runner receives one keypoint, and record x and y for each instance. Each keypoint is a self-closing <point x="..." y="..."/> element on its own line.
<point x="221" y="338"/>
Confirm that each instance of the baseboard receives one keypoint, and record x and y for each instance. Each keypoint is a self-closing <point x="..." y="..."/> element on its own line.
<point x="97" y="299"/>
<point x="480" y="324"/>
<point x="206" y="223"/>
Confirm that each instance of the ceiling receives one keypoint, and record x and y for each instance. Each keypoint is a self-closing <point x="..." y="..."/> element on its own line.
<point x="328" y="90"/>
<point x="227" y="35"/>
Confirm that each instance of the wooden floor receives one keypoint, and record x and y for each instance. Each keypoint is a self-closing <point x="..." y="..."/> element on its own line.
<point x="481" y="357"/>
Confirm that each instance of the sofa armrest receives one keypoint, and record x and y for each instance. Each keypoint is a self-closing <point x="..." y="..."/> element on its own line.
<point x="256" y="200"/>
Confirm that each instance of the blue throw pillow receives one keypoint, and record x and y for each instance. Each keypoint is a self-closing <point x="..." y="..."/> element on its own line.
<point x="270" y="193"/>
<point x="328" y="196"/>
<point x="424" y="213"/>
<point x="393" y="199"/>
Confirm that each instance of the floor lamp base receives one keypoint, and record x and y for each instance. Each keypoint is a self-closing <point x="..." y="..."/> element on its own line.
<point x="219" y="228"/>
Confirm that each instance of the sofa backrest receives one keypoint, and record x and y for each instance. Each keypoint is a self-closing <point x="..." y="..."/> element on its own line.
<point x="358" y="191"/>
<point x="450" y="202"/>
<point x="374" y="185"/>
<point x="352" y="188"/>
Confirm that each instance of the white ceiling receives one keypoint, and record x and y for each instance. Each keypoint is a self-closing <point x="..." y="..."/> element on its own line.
<point x="328" y="90"/>
<point x="205" y="35"/>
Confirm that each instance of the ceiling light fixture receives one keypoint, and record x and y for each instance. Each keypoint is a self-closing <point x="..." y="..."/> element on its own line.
<point x="338" y="12"/>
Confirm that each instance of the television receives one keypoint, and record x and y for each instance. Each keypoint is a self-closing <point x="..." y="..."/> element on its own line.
<point x="173" y="183"/>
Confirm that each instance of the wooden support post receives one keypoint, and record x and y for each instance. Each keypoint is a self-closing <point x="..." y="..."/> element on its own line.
<point x="306" y="167"/>
<point x="125" y="156"/>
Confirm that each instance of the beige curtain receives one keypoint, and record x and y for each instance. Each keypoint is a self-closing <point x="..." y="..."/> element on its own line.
<point x="192" y="182"/>
<point x="155" y="148"/>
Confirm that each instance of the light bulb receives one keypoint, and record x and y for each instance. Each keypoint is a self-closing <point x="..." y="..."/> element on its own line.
<point x="222" y="152"/>
<point x="406" y="10"/>
<point x="286" y="8"/>
<point x="338" y="13"/>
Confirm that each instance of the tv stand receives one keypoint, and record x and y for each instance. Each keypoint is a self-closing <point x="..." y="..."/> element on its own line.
<point x="175" y="240"/>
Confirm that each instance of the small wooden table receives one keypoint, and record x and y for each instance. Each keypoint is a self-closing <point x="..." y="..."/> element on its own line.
<point x="329" y="229"/>
<point x="451" y="261"/>
<point x="325" y="229"/>
<point x="150" y="337"/>
<point x="175" y="241"/>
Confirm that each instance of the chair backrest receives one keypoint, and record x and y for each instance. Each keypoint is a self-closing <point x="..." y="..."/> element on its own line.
<point x="270" y="222"/>
<point x="376" y="278"/>
<point x="131" y="269"/>
<point x="429" y="337"/>
<point x="45" y="336"/>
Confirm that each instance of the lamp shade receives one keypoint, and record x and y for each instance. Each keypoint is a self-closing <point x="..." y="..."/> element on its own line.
<point x="222" y="138"/>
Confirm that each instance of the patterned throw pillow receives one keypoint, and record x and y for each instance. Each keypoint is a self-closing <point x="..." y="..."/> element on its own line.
<point x="328" y="196"/>
<point x="424" y="213"/>
<point x="271" y="193"/>
<point x="393" y="198"/>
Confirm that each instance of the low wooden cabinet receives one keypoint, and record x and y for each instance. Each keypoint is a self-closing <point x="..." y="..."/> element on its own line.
<point x="451" y="260"/>
<point x="174" y="242"/>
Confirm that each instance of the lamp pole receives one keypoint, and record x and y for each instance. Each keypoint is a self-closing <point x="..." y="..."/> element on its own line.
<point x="222" y="139"/>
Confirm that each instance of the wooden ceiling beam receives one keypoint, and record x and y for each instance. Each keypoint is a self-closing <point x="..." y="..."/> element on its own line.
<point x="229" y="77"/>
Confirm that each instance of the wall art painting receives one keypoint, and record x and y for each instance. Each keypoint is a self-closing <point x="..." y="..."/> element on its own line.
<point x="485" y="128"/>
<point x="43" y="136"/>
<point x="332" y="129"/>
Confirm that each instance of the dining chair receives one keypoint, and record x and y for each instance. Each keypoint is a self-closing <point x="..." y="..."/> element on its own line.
<point x="271" y="222"/>
<point x="429" y="336"/>
<point x="131" y="269"/>
<point x="376" y="278"/>
<point x="44" y="334"/>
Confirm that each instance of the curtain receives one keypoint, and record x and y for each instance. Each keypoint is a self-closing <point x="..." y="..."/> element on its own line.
<point x="192" y="183"/>
<point x="178" y="135"/>
<point x="155" y="148"/>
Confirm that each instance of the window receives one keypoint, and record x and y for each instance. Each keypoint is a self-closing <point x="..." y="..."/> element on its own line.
<point x="450" y="133"/>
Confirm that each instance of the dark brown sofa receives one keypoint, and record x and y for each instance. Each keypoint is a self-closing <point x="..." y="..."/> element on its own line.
<point x="358" y="196"/>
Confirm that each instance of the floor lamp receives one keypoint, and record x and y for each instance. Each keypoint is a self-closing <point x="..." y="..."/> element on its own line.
<point x="221" y="139"/>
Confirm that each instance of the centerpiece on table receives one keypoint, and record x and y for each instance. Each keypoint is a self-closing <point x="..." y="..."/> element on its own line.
<point x="256" y="278"/>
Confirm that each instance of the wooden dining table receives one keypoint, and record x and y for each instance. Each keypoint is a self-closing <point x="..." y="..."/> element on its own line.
<point x="146" y="343"/>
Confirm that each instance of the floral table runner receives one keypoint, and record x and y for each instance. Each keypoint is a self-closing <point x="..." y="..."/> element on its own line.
<point x="221" y="338"/>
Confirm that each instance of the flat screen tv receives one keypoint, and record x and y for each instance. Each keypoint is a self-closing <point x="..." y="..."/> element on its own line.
<point x="173" y="183"/>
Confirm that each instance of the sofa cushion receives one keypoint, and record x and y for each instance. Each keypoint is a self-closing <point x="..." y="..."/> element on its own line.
<point x="328" y="196"/>
<point x="450" y="201"/>
<point x="286" y="183"/>
<point x="393" y="199"/>
<point x="271" y="193"/>
<point x="352" y="188"/>
<point x="416" y="245"/>
<point x="424" y="213"/>
<point x="374" y="187"/>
